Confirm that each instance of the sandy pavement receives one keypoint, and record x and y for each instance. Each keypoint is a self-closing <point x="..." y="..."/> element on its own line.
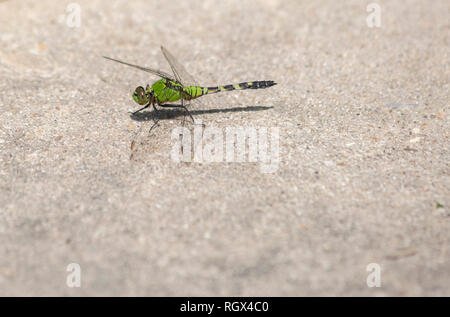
<point x="361" y="174"/>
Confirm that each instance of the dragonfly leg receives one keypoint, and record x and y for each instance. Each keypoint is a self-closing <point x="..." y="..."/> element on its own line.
<point x="154" y="124"/>
<point x="146" y="106"/>
<point x="156" y="109"/>
<point x="182" y="103"/>
<point x="179" y="106"/>
<point x="156" y="118"/>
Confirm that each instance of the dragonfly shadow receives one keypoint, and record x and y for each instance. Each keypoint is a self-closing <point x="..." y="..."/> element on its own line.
<point x="164" y="114"/>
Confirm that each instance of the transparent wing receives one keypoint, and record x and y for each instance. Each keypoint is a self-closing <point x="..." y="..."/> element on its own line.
<point x="183" y="77"/>
<point x="145" y="69"/>
<point x="181" y="74"/>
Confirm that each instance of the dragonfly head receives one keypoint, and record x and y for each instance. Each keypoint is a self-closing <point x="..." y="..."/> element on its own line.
<point x="141" y="96"/>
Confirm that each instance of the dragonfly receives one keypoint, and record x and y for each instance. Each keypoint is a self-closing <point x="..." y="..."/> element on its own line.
<point x="180" y="86"/>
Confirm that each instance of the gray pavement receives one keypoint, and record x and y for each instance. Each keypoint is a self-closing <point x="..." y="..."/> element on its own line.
<point x="363" y="174"/>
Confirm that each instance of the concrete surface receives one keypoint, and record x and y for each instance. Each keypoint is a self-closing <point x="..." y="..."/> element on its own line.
<point x="364" y="150"/>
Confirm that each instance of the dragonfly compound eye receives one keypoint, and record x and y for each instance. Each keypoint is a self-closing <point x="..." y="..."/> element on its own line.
<point x="140" y="96"/>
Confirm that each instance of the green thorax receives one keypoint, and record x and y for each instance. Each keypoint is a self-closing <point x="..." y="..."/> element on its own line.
<point x="170" y="91"/>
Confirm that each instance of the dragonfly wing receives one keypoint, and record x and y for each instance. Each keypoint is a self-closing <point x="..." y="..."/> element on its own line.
<point x="181" y="74"/>
<point x="145" y="69"/>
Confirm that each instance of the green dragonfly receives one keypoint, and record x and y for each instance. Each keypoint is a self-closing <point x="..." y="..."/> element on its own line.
<point x="181" y="86"/>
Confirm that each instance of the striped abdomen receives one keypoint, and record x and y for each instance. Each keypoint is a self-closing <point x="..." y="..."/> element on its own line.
<point x="195" y="92"/>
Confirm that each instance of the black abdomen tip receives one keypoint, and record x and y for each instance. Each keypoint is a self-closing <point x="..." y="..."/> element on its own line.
<point x="262" y="84"/>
